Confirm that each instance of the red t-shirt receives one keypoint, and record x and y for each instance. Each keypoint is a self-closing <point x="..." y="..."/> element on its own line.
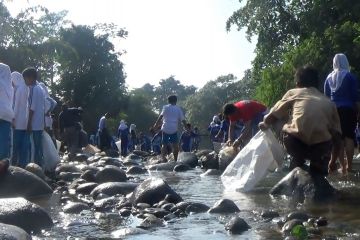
<point x="247" y="110"/>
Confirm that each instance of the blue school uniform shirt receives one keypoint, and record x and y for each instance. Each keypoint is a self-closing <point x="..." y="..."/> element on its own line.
<point x="186" y="140"/>
<point x="347" y="94"/>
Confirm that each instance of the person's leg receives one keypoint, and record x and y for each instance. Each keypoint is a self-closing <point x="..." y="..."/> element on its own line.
<point x="165" y="142"/>
<point x="296" y="149"/>
<point x="22" y="147"/>
<point x="319" y="156"/>
<point x="38" y="150"/>
<point x="15" y="160"/>
<point x="5" y="139"/>
<point x="174" y="140"/>
<point x="349" y="151"/>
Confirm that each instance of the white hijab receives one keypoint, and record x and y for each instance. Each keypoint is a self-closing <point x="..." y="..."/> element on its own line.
<point x="17" y="79"/>
<point x="132" y="127"/>
<point x="215" y="121"/>
<point x="6" y="93"/>
<point x="341" y="68"/>
<point x="20" y="106"/>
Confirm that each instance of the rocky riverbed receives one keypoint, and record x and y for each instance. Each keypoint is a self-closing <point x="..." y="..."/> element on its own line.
<point x="139" y="197"/>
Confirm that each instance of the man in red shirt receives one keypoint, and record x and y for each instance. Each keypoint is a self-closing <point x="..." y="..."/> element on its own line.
<point x="250" y="113"/>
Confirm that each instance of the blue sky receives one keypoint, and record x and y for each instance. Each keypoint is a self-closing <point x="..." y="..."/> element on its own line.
<point x="185" y="38"/>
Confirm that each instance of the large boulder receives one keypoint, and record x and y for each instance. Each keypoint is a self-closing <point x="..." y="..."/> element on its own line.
<point x="152" y="191"/>
<point x="10" y="232"/>
<point x="24" y="214"/>
<point x="75" y="207"/>
<point x="111" y="174"/>
<point x="113" y="188"/>
<point x="226" y="155"/>
<point x="17" y="182"/>
<point x="188" y="158"/>
<point x="300" y="185"/>
<point x="35" y="169"/>
<point x="237" y="225"/>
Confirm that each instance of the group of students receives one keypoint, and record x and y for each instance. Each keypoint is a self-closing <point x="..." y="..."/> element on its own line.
<point x="25" y="112"/>
<point x="319" y="127"/>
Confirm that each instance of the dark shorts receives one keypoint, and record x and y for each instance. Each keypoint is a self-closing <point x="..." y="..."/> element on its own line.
<point x="348" y="122"/>
<point x="170" y="138"/>
<point x="318" y="154"/>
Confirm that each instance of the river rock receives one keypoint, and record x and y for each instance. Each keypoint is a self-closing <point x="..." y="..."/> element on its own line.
<point x="136" y="170"/>
<point x="111" y="174"/>
<point x="89" y="176"/>
<point x="152" y="191"/>
<point x="151" y="221"/>
<point x="181" y="168"/>
<point x="80" y="157"/>
<point x="203" y="152"/>
<point x="269" y="214"/>
<point x="237" y="225"/>
<point x="196" y="208"/>
<point x="226" y="155"/>
<point x="68" y="176"/>
<point x="17" y="182"/>
<point x="154" y="160"/>
<point x="11" y="232"/>
<point x="24" y="214"/>
<point x="209" y="161"/>
<point x="224" y="206"/>
<point x="66" y="168"/>
<point x="140" y="153"/>
<point x="211" y="172"/>
<point x="188" y="158"/>
<point x="75" y="207"/>
<point x="168" y="166"/>
<point x="123" y="232"/>
<point x="300" y="185"/>
<point x="35" y="169"/>
<point x="113" y="188"/>
<point x="298" y="215"/>
<point x="86" y="188"/>
<point x="289" y="225"/>
<point x="106" y="204"/>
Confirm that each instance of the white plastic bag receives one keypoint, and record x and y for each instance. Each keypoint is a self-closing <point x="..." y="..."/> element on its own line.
<point x="51" y="155"/>
<point x="118" y="145"/>
<point x="261" y="154"/>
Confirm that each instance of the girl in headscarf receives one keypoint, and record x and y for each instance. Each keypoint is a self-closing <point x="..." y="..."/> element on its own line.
<point x="21" y="137"/>
<point x="123" y="134"/>
<point x="6" y="115"/>
<point x="342" y="87"/>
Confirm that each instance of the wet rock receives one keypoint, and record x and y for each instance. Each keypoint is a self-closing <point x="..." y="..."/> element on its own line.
<point x="133" y="157"/>
<point x="86" y="188"/>
<point x="112" y="153"/>
<point x="155" y="160"/>
<point x="181" y="168"/>
<point x="300" y="185"/>
<point x="203" y="152"/>
<point x="209" y="161"/>
<point x="157" y="212"/>
<point x="168" y="166"/>
<point x="314" y="231"/>
<point x="171" y="198"/>
<point x="80" y="157"/>
<point x="237" y="225"/>
<point x="111" y="174"/>
<point x="89" y="176"/>
<point x="211" y="172"/>
<point x="269" y="214"/>
<point x="66" y="168"/>
<point x="140" y="153"/>
<point x="75" y="207"/>
<point x="106" y="204"/>
<point x="68" y="176"/>
<point x="35" y="169"/>
<point x="321" y="222"/>
<point x="170" y="217"/>
<point x="196" y="208"/>
<point x="289" y="225"/>
<point x="113" y="188"/>
<point x="224" y="206"/>
<point x="151" y="222"/>
<point x="298" y="215"/>
<point x="123" y="232"/>
<point x="11" y="232"/>
<point x="136" y="170"/>
<point x="125" y="212"/>
<point x="168" y="206"/>
<point x="226" y="155"/>
<point x="182" y="206"/>
<point x="142" y="205"/>
<point x="18" y="182"/>
<point x="188" y="158"/>
<point x="24" y="214"/>
<point x="152" y="191"/>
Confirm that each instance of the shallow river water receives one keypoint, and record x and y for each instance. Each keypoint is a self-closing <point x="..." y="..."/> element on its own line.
<point x="343" y="217"/>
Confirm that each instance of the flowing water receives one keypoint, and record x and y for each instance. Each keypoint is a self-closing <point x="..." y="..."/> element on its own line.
<point x="343" y="217"/>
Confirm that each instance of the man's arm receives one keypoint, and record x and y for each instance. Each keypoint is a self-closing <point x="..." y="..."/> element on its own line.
<point x="156" y="125"/>
<point x="231" y="132"/>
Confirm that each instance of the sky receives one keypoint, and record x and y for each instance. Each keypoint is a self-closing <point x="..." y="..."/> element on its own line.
<point x="184" y="38"/>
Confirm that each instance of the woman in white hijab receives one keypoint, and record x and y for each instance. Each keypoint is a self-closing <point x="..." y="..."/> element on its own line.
<point x="6" y="115"/>
<point x="342" y="87"/>
<point x="123" y="134"/>
<point x="21" y="137"/>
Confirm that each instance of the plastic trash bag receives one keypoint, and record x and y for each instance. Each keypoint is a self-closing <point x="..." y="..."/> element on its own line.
<point x="262" y="154"/>
<point x="118" y="145"/>
<point x="51" y="155"/>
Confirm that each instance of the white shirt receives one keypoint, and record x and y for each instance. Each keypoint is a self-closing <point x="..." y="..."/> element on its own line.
<point x="21" y="107"/>
<point x="6" y="94"/>
<point x="37" y="104"/>
<point x="172" y="115"/>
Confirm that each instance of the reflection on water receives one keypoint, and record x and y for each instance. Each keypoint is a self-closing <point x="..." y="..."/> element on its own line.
<point x="343" y="216"/>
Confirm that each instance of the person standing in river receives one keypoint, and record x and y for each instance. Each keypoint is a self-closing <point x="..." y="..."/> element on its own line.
<point x="313" y="126"/>
<point x="342" y="88"/>
<point x="171" y="116"/>
<point x="36" y="120"/>
<point x="248" y="112"/>
<point x="105" y="138"/>
<point x="6" y="116"/>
